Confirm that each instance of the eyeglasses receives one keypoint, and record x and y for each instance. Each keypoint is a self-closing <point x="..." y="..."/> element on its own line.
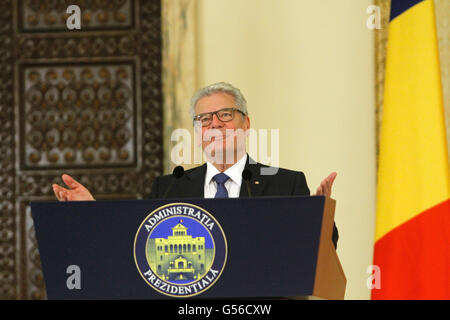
<point x="224" y="115"/>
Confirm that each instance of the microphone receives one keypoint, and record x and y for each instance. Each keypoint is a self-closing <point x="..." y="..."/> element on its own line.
<point x="247" y="175"/>
<point x="177" y="173"/>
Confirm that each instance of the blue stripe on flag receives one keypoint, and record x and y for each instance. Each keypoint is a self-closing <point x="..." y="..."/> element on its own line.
<point x="400" y="6"/>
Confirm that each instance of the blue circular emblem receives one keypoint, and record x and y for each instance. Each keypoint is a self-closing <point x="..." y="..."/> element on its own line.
<point x="180" y="250"/>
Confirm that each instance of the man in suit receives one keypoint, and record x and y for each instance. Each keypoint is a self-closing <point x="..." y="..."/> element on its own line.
<point x="219" y="112"/>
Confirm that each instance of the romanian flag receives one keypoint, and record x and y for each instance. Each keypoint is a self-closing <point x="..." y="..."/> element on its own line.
<point x="412" y="237"/>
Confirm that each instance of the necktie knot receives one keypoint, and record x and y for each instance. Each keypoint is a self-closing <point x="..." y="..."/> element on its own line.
<point x="220" y="179"/>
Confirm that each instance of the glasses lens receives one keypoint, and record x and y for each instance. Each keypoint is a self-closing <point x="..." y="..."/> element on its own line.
<point x="225" y="115"/>
<point x="205" y="119"/>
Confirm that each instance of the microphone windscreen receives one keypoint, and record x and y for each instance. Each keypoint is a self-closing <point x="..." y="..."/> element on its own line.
<point x="246" y="175"/>
<point x="178" y="172"/>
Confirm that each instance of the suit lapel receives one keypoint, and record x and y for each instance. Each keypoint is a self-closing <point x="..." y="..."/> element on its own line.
<point x="195" y="183"/>
<point x="257" y="182"/>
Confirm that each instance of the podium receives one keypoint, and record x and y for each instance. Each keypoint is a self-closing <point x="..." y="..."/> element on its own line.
<point x="237" y="248"/>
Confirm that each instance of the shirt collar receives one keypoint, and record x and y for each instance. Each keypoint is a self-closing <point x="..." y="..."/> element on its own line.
<point x="234" y="172"/>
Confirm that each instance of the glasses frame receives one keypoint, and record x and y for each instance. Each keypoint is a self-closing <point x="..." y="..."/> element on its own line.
<point x="233" y="110"/>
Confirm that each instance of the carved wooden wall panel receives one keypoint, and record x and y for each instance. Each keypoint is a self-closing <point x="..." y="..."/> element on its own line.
<point x="85" y="102"/>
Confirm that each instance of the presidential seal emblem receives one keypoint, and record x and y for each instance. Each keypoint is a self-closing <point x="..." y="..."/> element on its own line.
<point x="180" y="250"/>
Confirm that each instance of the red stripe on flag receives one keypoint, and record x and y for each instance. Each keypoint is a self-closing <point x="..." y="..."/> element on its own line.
<point x="414" y="258"/>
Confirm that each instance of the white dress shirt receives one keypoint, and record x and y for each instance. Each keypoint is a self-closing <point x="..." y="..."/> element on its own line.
<point x="233" y="185"/>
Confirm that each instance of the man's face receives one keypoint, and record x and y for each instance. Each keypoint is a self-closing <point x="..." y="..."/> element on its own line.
<point x="217" y="138"/>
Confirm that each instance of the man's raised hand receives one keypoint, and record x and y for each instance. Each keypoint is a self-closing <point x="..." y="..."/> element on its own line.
<point x="325" y="186"/>
<point x="75" y="192"/>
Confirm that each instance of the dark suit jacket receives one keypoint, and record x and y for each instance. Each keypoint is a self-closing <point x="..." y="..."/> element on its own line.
<point x="191" y="185"/>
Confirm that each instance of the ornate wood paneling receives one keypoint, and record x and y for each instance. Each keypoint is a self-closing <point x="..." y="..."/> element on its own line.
<point x="77" y="116"/>
<point x="50" y="15"/>
<point x="9" y="215"/>
<point x="85" y="102"/>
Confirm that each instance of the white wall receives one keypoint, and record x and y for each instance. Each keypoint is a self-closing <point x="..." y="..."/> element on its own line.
<point x="306" y="68"/>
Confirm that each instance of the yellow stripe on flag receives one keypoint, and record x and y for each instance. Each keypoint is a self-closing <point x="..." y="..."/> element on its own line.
<point x="413" y="171"/>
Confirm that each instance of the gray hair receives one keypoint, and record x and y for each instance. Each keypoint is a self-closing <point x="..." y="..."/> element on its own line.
<point x="239" y="99"/>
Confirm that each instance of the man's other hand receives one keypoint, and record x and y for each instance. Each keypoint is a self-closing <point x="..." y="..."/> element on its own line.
<point x="76" y="191"/>
<point x="325" y="186"/>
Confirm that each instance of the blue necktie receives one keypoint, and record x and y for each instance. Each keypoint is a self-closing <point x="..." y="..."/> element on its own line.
<point x="220" y="179"/>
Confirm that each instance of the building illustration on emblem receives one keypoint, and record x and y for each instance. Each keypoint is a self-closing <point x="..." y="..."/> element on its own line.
<point x="179" y="256"/>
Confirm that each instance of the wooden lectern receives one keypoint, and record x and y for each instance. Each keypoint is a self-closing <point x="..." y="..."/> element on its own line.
<point x="276" y="247"/>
